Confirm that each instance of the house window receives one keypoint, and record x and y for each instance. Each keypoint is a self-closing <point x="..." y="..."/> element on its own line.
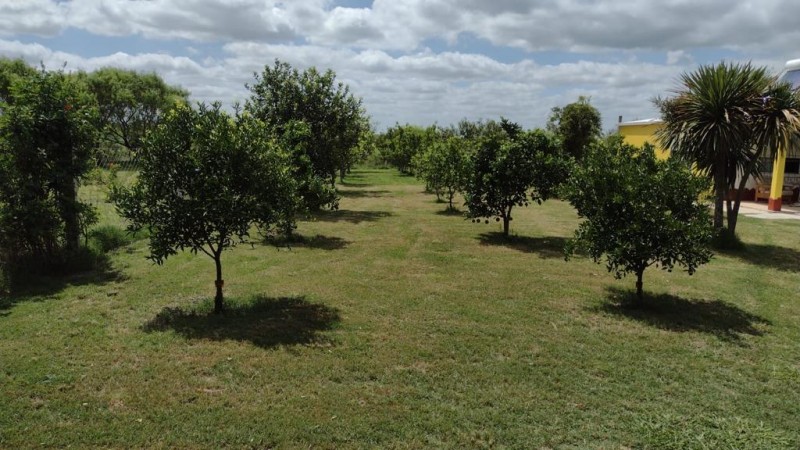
<point x="793" y="77"/>
<point x="793" y="165"/>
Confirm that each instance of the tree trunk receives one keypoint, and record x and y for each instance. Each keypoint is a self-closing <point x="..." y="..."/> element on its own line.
<point x="639" y="290"/>
<point x="218" y="300"/>
<point x="506" y="221"/>
<point x="733" y="216"/>
<point x="728" y="204"/>
<point x="450" y="195"/>
<point x="719" y="193"/>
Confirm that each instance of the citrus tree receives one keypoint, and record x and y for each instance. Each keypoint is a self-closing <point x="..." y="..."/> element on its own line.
<point x="205" y="179"/>
<point x="512" y="168"/>
<point x="639" y="211"/>
<point x="282" y="96"/>
<point x="445" y="166"/>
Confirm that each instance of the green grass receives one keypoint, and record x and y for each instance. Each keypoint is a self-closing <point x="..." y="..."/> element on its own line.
<point x="395" y="324"/>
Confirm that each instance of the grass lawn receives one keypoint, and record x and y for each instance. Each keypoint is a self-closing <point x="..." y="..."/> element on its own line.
<point x="396" y="325"/>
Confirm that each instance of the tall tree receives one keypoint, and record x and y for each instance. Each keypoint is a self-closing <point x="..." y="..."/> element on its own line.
<point x="511" y="168"/>
<point x="578" y="124"/>
<point x="47" y="139"/>
<point x="11" y="69"/>
<point x="474" y="130"/>
<point x="131" y="103"/>
<point x="723" y="118"/>
<point x="282" y="95"/>
<point x="205" y="179"/>
<point x="639" y="211"/>
<point x="314" y="191"/>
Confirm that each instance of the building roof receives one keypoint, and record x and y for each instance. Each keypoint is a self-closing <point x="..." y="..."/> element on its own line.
<point x="641" y="122"/>
<point x="792" y="73"/>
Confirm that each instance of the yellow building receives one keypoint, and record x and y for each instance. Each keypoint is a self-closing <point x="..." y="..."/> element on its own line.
<point x="638" y="132"/>
<point x="781" y="177"/>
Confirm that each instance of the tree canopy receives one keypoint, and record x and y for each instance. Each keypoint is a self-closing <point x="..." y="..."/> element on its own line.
<point x="401" y="143"/>
<point x="511" y="168"/>
<point x="131" y="103"/>
<point x="11" y="69"/>
<point x="282" y="96"/>
<point x="47" y="139"/>
<point x="639" y="211"/>
<point x="445" y="166"/>
<point x="578" y="124"/>
<point x="205" y="179"/>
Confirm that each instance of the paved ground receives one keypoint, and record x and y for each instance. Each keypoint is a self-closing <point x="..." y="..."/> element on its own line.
<point x="759" y="211"/>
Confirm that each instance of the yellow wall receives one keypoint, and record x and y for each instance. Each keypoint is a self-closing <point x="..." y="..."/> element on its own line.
<point x="638" y="134"/>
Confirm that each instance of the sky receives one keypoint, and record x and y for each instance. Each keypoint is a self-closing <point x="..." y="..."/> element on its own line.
<point x="416" y="61"/>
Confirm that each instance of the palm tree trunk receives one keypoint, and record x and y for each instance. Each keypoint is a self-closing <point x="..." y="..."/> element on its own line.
<point x="733" y="216"/>
<point x="719" y="192"/>
<point x="719" y="205"/>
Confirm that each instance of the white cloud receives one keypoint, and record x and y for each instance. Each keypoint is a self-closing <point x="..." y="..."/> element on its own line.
<point x="42" y="17"/>
<point x="419" y="88"/>
<point x="768" y="26"/>
<point x="678" y="56"/>
<point x="381" y="51"/>
<point x="188" y="19"/>
<point x="427" y="87"/>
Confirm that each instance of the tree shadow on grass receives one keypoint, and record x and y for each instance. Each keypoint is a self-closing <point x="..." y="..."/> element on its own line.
<point x="364" y="193"/>
<point x="545" y="246"/>
<point x="354" y="184"/>
<point x="34" y="287"/>
<point x="724" y="320"/>
<point x="265" y="322"/>
<point x="354" y="217"/>
<point x="318" y="241"/>
<point x="355" y="179"/>
<point x="773" y="256"/>
<point x="450" y="212"/>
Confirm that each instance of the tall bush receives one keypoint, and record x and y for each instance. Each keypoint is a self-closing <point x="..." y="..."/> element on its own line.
<point x="47" y="139"/>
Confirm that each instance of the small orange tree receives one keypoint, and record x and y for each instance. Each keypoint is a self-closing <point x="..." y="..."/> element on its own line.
<point x="206" y="178"/>
<point x="639" y="211"/>
<point x="512" y="168"/>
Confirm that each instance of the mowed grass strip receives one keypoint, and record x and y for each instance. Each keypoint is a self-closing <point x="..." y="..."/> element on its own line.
<point x="393" y="324"/>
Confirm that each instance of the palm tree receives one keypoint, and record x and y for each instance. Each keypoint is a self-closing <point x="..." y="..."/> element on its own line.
<point x="723" y="118"/>
<point x="775" y="126"/>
